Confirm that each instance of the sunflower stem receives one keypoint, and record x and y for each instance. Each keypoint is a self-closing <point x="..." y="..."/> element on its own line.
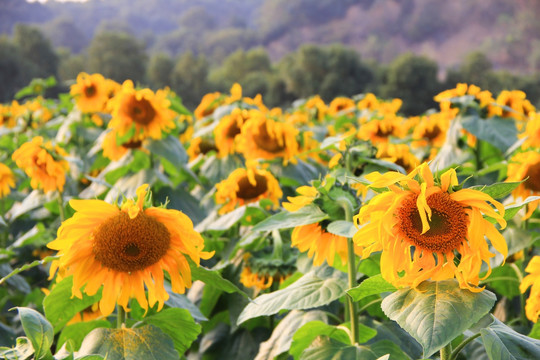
<point x="523" y="315"/>
<point x="351" y="270"/>
<point x="61" y="206"/>
<point x="455" y="352"/>
<point x="446" y="352"/>
<point x="120" y="316"/>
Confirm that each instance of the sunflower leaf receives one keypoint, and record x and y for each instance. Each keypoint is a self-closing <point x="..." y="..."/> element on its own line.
<point x="305" y="335"/>
<point x="437" y="311"/>
<point x="146" y="342"/>
<point x="499" y="132"/>
<point x="497" y="190"/>
<point x="342" y="228"/>
<point x="170" y="149"/>
<point x="213" y="278"/>
<point x="318" y="287"/>
<point x="371" y="286"/>
<point x="501" y="342"/>
<point x="326" y="348"/>
<point x="309" y="214"/>
<point x="38" y="330"/>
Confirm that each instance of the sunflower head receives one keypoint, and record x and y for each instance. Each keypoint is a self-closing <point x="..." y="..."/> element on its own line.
<point x="431" y="129"/>
<point x="90" y="92"/>
<point x="228" y="129"/>
<point x="532" y="307"/>
<point x="340" y="104"/>
<point x="426" y="229"/>
<point x="512" y="104"/>
<point x="247" y="185"/>
<point x="43" y="163"/>
<point x="261" y="272"/>
<point x="200" y="145"/>
<point x="526" y="165"/>
<point x="380" y="130"/>
<point x="531" y="134"/>
<point x="306" y="197"/>
<point x="114" y="148"/>
<point x="126" y="249"/>
<point x="7" y="180"/>
<point x="399" y="154"/>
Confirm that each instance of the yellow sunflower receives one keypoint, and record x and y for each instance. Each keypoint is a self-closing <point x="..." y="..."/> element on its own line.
<point x="112" y="150"/>
<point x="263" y="137"/>
<point x="90" y="92"/>
<point x="426" y="230"/>
<point x="431" y="129"/>
<point x="9" y="114"/>
<point x="43" y="164"/>
<point x="532" y="131"/>
<point x="316" y="105"/>
<point x="532" y="307"/>
<point x="516" y="100"/>
<point x="125" y="249"/>
<point x="209" y="103"/>
<point x="340" y="104"/>
<point x="380" y="130"/>
<point x="228" y="128"/>
<point x="399" y="154"/>
<point x="369" y="102"/>
<point x="526" y="165"/>
<point x="244" y="186"/>
<point x="261" y="275"/>
<point x="483" y="97"/>
<point x="143" y="109"/>
<point x="199" y="146"/>
<point x="7" y="180"/>
<point x="306" y="197"/>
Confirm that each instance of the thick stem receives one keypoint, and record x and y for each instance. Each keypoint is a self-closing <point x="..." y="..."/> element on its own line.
<point x="120" y="316"/>
<point x="61" y="206"/>
<point x="523" y="315"/>
<point x="446" y="352"/>
<point x="460" y="347"/>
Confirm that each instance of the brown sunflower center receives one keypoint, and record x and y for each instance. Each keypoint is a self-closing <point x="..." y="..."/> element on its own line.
<point x="533" y="182"/>
<point x="431" y="134"/>
<point x="384" y="131"/>
<point x="267" y="142"/>
<point x="206" y="146"/>
<point x="127" y="245"/>
<point x="132" y="144"/>
<point x="141" y="111"/>
<point x="247" y="191"/>
<point x="448" y="224"/>
<point x="90" y="91"/>
<point x="233" y="130"/>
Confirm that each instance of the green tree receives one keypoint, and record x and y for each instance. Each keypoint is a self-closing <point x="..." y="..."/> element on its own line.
<point x="159" y="70"/>
<point x="476" y="69"/>
<point x="70" y="65"/>
<point x="189" y="78"/>
<point x="37" y="49"/>
<point x="118" y="56"/>
<point x="15" y="70"/>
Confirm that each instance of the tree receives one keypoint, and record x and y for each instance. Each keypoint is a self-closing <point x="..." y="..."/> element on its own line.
<point x="189" y="78"/>
<point x="118" y="56"/>
<point x="37" y="49"/>
<point x="159" y="70"/>
<point x="15" y="70"/>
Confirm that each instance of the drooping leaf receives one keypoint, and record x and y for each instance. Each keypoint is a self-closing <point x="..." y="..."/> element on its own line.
<point x="437" y="311"/>
<point x="181" y="301"/>
<point x="178" y="324"/>
<point x="213" y="278"/>
<point x="309" y="214"/>
<point x="38" y="330"/>
<point x="342" y="228"/>
<point x="371" y="286"/>
<point x="499" y="132"/>
<point x="497" y="190"/>
<point x="282" y="336"/>
<point x="316" y="288"/>
<point x="23" y="350"/>
<point x="503" y="343"/>
<point x="60" y="306"/>
<point x="169" y="148"/>
<point x="147" y="342"/>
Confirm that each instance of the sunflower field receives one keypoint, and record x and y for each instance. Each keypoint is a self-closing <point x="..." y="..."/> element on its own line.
<point x="134" y="228"/>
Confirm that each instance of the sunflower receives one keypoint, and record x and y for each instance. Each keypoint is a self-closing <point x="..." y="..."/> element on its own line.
<point x="526" y="165"/>
<point x="431" y="129"/>
<point x="380" y="130"/>
<point x="7" y="180"/>
<point x="515" y="100"/>
<point x="244" y="186"/>
<point x="532" y="307"/>
<point x="228" y="128"/>
<point x="306" y="197"/>
<point x="427" y="230"/>
<point x="263" y="137"/>
<point x="146" y="111"/>
<point x="261" y="273"/>
<point x="200" y="145"/>
<point x="532" y="131"/>
<point x="114" y="151"/>
<point x="340" y="104"/>
<point x="316" y="104"/>
<point x="125" y="249"/>
<point x="90" y="92"/>
<point x="399" y="154"/>
<point x="482" y="97"/>
<point x="43" y="164"/>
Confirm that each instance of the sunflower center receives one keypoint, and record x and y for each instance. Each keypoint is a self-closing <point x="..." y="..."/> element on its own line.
<point x="132" y="144"/>
<point x="142" y="111"/>
<point x="533" y="182"/>
<point x="247" y="191"/>
<point x="384" y="131"/>
<point x="432" y="133"/>
<point x="266" y="142"/>
<point x="448" y="224"/>
<point x="233" y="130"/>
<point x="90" y="91"/>
<point x="127" y="245"/>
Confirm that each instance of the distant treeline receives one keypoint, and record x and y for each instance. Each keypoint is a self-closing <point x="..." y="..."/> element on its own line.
<point x="330" y="71"/>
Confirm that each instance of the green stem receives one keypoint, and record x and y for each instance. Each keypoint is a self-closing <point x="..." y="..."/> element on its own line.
<point x="446" y="352"/>
<point x="61" y="206"/>
<point x="523" y="315"/>
<point x="351" y="270"/>
<point x="460" y="347"/>
<point x="45" y="260"/>
<point x="120" y="316"/>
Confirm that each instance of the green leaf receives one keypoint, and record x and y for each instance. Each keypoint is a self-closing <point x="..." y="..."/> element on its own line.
<point x="342" y="228"/>
<point x="222" y="222"/>
<point x="22" y="350"/>
<point x="282" y="336"/>
<point x="503" y="343"/>
<point x="437" y="311"/>
<point x="169" y="148"/>
<point x="504" y="281"/>
<point x="213" y="278"/>
<point x="170" y="321"/>
<point x="177" y="106"/>
<point x="309" y="214"/>
<point x="497" y="190"/>
<point x="60" y="306"/>
<point x="147" y="342"/>
<point x="535" y="331"/>
<point x="77" y="332"/>
<point x="319" y="287"/>
<point x="330" y="349"/>
<point x="371" y="286"/>
<point x="181" y="301"/>
<point x="38" y="330"/>
<point x="499" y="132"/>
<point x="388" y="348"/>
<point x="512" y="210"/>
<point x="309" y="332"/>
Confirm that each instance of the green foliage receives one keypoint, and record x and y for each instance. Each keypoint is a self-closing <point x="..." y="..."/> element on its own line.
<point x="189" y="78"/>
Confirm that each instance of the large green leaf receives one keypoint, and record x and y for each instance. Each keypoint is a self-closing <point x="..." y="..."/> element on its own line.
<point x="170" y="321"/>
<point x="60" y="306"/>
<point x="309" y="214"/>
<point x="503" y="343"/>
<point x="213" y="278"/>
<point x="147" y="342"/>
<point x="170" y="149"/>
<point x="316" y="288"/>
<point x="437" y="311"/>
<point x="282" y="336"/>
<point x="329" y="349"/>
<point x="305" y="335"/>
<point x="504" y="280"/>
<point x="77" y="332"/>
<point x="497" y="190"/>
<point x="499" y="132"/>
<point x="342" y="228"/>
<point x="371" y="286"/>
<point x="38" y="330"/>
